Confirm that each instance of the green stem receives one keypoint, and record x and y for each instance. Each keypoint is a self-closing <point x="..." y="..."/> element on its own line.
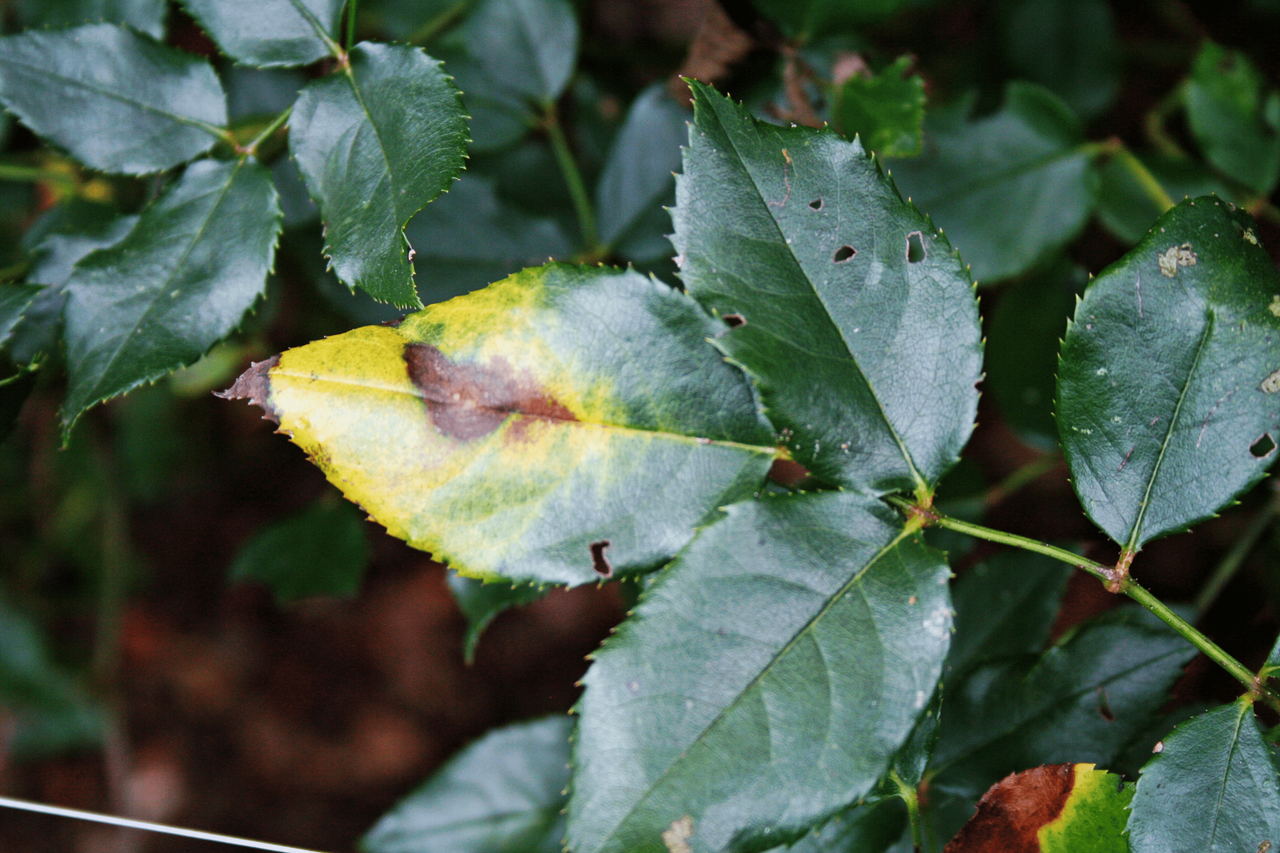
<point x="1117" y="581"/>
<point x="276" y="123"/>
<point x="1152" y="187"/>
<point x="1234" y="559"/>
<point x="573" y="179"/>
<point x="912" y="799"/>
<point x="351" y="23"/>
<point x="1154" y="124"/>
<point x="10" y="172"/>
<point x="429" y="30"/>
<point x="1028" y="473"/>
<point x="1101" y="572"/>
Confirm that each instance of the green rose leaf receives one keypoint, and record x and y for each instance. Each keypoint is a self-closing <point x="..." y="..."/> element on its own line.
<point x="1086" y="698"/>
<point x="786" y="654"/>
<point x="794" y="237"/>
<point x="267" y="33"/>
<point x="1169" y="374"/>
<point x="1004" y="606"/>
<point x="1212" y="788"/>
<point x="870" y="828"/>
<point x="885" y="111"/>
<point x="1068" y="46"/>
<point x="117" y="100"/>
<point x="805" y="19"/>
<point x="472" y="236"/>
<point x="510" y="59"/>
<point x="1009" y="189"/>
<point x="638" y="171"/>
<point x="319" y="551"/>
<point x="1227" y="107"/>
<point x="1127" y="210"/>
<point x="563" y="425"/>
<point x="181" y="281"/>
<point x="375" y="142"/>
<point x="481" y="602"/>
<point x="503" y="793"/>
<point x="14" y="299"/>
<point x="145" y="16"/>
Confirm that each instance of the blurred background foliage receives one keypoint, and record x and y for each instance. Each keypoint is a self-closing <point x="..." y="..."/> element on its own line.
<point x="179" y="633"/>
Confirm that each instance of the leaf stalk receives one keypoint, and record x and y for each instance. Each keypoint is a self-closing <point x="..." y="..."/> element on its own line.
<point x="1116" y="579"/>
<point x="572" y="178"/>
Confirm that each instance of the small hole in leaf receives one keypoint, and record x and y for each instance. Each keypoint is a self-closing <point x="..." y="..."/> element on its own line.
<point x="733" y="321"/>
<point x="816" y="204"/>
<point x="599" y="561"/>
<point x="843" y="254"/>
<point x="915" y="248"/>
<point x="1263" y="447"/>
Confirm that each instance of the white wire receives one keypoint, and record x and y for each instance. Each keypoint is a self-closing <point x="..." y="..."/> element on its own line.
<point x="24" y="805"/>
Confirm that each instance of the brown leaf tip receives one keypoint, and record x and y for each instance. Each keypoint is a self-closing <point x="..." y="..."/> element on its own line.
<point x="1011" y="813"/>
<point x="254" y="385"/>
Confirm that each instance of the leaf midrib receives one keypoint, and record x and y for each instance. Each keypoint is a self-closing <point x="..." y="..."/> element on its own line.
<point x="920" y="481"/>
<point x="567" y="422"/>
<point x="1133" y="543"/>
<point x="190" y="121"/>
<point x="158" y="292"/>
<point x="800" y="633"/>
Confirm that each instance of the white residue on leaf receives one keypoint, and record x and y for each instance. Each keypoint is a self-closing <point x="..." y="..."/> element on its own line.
<point x="1174" y="257"/>
<point x="1250" y="237"/>
<point x="1274" y="307"/>
<point x="1271" y="384"/>
<point x="920" y="699"/>
<point x="677" y="835"/>
<point x="1101" y="371"/>
<point x="937" y="622"/>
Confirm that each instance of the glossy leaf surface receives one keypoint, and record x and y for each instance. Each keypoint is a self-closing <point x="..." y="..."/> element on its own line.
<point x="562" y="425"/>
<point x="79" y="88"/>
<point x="14" y="299"/>
<point x="182" y="280"/>
<point x="270" y="32"/>
<point x="1009" y="189"/>
<point x="1234" y="117"/>
<point x="871" y="828"/>
<point x="511" y="58"/>
<point x="319" y="551"/>
<point x="502" y="794"/>
<point x="885" y="111"/>
<point x="375" y="142"/>
<point x="1170" y="375"/>
<point x="1061" y="808"/>
<point x="145" y="16"/>
<point x="765" y="681"/>
<point x="1213" y="788"/>
<point x="794" y="236"/>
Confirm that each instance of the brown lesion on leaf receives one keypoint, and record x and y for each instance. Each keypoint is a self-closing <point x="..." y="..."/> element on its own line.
<point x="466" y="401"/>
<point x="599" y="561"/>
<point x="1012" y="812"/>
<point x="254" y="385"/>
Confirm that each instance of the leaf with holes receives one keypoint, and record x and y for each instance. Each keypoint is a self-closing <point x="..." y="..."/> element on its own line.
<point x="1169" y="379"/>
<point x="1212" y="788"/>
<point x="766" y="681"/>
<point x="794" y="236"/>
<point x="267" y="33"/>
<point x="376" y="141"/>
<point x="1010" y="189"/>
<point x="181" y="281"/>
<point x="505" y="792"/>
<point x="559" y="426"/>
<point x="83" y="88"/>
